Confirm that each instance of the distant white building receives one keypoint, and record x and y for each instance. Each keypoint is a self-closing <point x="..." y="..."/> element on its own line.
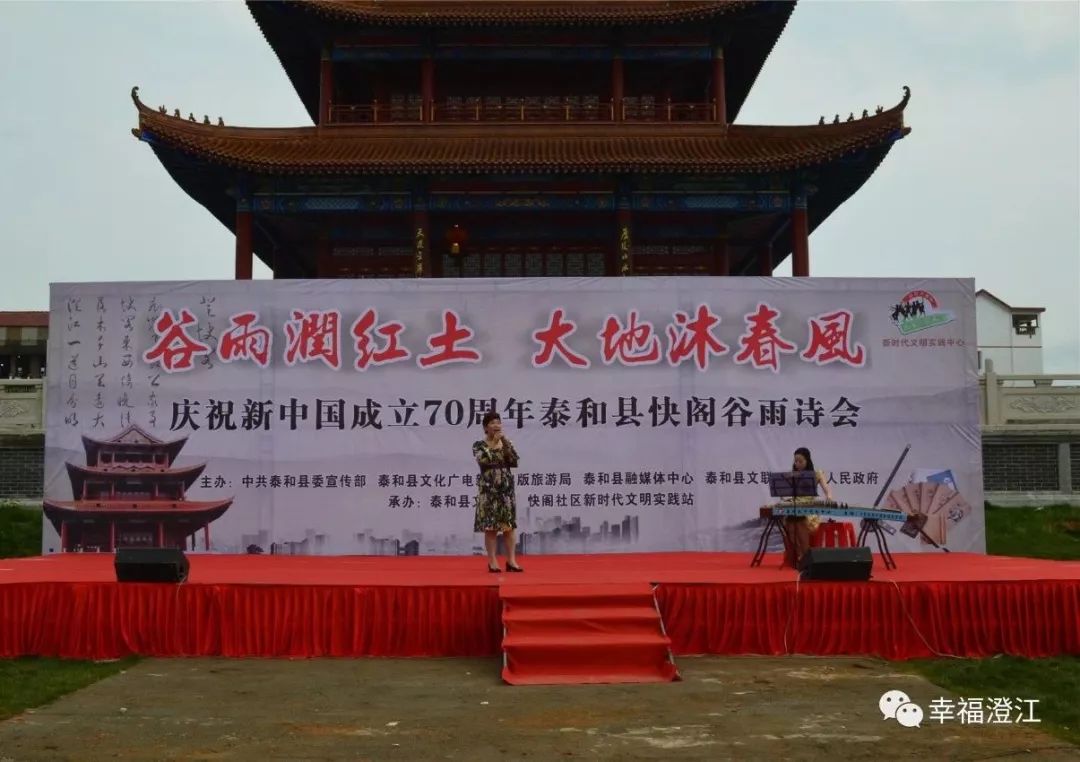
<point x="1010" y="336"/>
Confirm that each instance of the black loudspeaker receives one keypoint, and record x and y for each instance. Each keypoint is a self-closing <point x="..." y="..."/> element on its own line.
<point x="837" y="563"/>
<point x="151" y="565"/>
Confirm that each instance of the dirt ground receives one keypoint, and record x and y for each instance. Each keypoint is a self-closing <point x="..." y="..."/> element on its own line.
<point x="384" y="709"/>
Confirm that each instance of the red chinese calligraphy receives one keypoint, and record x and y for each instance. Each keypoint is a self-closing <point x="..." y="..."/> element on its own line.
<point x="444" y="346"/>
<point x="634" y="345"/>
<point x="830" y="337"/>
<point x="694" y="338"/>
<point x="175" y="349"/>
<point x="762" y="343"/>
<point x="551" y="339"/>
<point x="390" y="352"/>
<point x="313" y="335"/>
<point x="246" y="340"/>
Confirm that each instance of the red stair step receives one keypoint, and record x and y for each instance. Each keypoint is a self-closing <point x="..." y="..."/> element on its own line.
<point x="524" y="614"/>
<point x="583" y="633"/>
<point x="640" y="659"/>
<point x="629" y="619"/>
<point x="635" y="660"/>
<point x="604" y="594"/>
<point x="586" y="640"/>
<point x="665" y="674"/>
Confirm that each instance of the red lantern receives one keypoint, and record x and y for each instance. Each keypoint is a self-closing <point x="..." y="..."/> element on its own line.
<point x="456" y="237"/>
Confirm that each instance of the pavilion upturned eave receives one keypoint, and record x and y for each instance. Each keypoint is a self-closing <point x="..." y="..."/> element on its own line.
<point x="78" y="474"/>
<point x="520" y="148"/>
<point x="201" y="512"/>
<point x="92" y="446"/>
<point x="119" y="438"/>
<point x="85" y="507"/>
<point x="831" y="162"/>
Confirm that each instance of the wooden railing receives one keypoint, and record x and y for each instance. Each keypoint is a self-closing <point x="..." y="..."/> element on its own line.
<point x="520" y="110"/>
<point x="22" y="405"/>
<point x="1048" y="402"/>
<point x="514" y="111"/>
<point x="376" y="112"/>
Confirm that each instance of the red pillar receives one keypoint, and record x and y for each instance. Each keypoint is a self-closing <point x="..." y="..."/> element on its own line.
<point x="63" y="537"/>
<point x="324" y="260"/>
<point x="243" y="245"/>
<point x="617" y="88"/>
<point x="161" y="534"/>
<point x="206" y="538"/>
<point x="427" y="89"/>
<point x="719" y="87"/>
<point x="800" y="239"/>
<point x="326" y="88"/>
<point x="764" y="257"/>
<point x="721" y="258"/>
<point x="112" y="536"/>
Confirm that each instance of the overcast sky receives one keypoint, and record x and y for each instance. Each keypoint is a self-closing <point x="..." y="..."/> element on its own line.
<point x="987" y="185"/>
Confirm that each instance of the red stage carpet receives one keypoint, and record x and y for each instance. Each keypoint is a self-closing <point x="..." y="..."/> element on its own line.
<point x="279" y="606"/>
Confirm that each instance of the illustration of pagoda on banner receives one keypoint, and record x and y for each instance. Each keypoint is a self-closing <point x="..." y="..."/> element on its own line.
<point x="130" y="494"/>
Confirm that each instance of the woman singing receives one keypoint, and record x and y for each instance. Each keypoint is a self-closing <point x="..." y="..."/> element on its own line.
<point x="496" y="510"/>
<point x="799" y="528"/>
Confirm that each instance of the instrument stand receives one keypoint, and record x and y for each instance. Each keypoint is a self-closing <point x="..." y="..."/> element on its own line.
<point x="873" y="526"/>
<point x="774" y="522"/>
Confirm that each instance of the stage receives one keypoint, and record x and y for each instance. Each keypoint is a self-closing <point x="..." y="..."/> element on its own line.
<point x="711" y="603"/>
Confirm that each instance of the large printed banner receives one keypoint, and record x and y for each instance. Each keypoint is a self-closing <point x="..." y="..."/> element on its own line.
<point x="338" y="417"/>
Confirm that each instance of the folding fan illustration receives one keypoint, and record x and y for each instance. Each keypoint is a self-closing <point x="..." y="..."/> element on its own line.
<point x="933" y="505"/>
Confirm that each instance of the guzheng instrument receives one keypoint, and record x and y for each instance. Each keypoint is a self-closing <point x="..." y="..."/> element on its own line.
<point x="828" y="509"/>
<point x="832" y="510"/>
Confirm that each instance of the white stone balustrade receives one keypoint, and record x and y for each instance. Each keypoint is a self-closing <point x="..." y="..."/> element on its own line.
<point x="22" y="405"/>
<point x="1045" y="402"/>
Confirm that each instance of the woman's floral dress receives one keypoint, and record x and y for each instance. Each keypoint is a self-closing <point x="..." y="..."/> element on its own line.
<point x="496" y="508"/>
<point x="813" y="520"/>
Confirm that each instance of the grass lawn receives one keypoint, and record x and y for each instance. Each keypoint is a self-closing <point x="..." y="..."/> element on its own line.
<point x="26" y="683"/>
<point x="1051" y="532"/>
<point x="1054" y="682"/>
<point x="30" y="682"/>
<point x="20" y="531"/>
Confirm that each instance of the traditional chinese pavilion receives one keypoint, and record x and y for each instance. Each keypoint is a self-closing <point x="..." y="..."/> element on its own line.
<point x="129" y="493"/>
<point x="528" y="138"/>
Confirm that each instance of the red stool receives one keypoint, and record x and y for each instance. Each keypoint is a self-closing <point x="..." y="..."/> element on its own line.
<point x="833" y="534"/>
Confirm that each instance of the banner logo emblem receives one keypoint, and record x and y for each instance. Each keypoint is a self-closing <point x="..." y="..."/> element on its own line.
<point x="917" y="311"/>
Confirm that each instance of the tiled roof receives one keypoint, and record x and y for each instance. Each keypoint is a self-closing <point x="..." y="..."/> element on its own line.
<point x="518" y="12"/>
<point x="519" y="148"/>
<point x="24" y="319"/>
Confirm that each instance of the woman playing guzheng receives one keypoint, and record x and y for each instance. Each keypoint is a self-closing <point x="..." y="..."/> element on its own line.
<point x="799" y="528"/>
